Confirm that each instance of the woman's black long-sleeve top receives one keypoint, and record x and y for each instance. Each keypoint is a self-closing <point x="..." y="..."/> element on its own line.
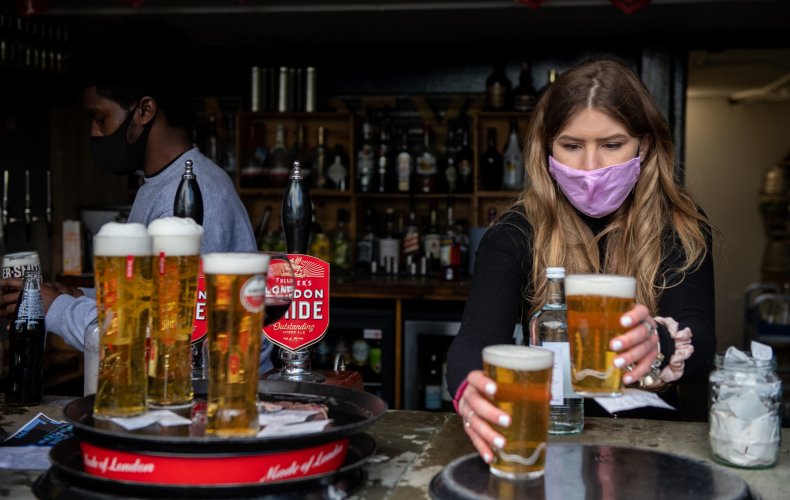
<point x="502" y="271"/>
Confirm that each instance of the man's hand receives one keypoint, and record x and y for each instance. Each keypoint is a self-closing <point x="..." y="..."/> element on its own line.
<point x="49" y="292"/>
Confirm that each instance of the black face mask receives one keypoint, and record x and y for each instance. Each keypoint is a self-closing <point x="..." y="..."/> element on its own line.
<point x="114" y="155"/>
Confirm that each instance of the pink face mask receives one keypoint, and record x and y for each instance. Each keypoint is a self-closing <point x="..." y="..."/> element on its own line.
<point x="599" y="192"/>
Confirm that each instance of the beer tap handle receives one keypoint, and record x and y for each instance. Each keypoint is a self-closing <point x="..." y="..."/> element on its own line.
<point x="5" y="201"/>
<point x="28" y="214"/>
<point x="49" y="203"/>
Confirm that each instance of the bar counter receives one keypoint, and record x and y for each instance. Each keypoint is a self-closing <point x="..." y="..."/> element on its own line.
<point x="413" y="446"/>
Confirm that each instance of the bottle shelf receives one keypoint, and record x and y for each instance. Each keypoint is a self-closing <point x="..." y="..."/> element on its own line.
<point x="278" y="192"/>
<point x="498" y="195"/>
<point x="419" y="196"/>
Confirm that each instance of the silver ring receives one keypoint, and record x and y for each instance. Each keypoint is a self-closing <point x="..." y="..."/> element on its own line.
<point x="650" y="328"/>
<point x="468" y="419"/>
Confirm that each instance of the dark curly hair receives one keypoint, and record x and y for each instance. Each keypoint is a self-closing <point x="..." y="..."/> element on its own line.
<point x="140" y="56"/>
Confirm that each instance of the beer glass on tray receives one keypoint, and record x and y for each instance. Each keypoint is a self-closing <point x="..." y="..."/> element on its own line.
<point x="235" y="294"/>
<point x="123" y="274"/>
<point x="595" y="303"/>
<point x="176" y="249"/>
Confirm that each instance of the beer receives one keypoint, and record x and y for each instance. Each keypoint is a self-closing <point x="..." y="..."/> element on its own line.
<point x="235" y="293"/>
<point x="123" y="273"/>
<point x="176" y="249"/>
<point x="523" y="378"/>
<point x="27" y="335"/>
<point x="595" y="303"/>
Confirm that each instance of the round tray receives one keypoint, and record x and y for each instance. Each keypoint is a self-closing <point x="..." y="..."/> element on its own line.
<point x="68" y="479"/>
<point x="163" y="456"/>
<point x="352" y="412"/>
<point x="594" y="471"/>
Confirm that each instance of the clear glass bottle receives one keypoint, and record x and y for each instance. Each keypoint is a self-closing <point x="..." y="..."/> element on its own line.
<point x="745" y="410"/>
<point x="549" y="329"/>
<point x="366" y="159"/>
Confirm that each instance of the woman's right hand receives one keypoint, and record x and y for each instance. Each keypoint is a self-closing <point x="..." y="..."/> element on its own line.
<point x="478" y="413"/>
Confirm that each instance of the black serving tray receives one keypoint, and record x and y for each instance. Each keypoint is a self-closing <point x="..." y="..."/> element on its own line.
<point x="595" y="471"/>
<point x="67" y="479"/>
<point x="352" y="412"/>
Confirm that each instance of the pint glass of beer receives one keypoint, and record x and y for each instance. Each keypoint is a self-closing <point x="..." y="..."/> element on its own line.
<point x="122" y="268"/>
<point x="523" y="378"/>
<point x="235" y="294"/>
<point x="176" y="249"/>
<point x="595" y="303"/>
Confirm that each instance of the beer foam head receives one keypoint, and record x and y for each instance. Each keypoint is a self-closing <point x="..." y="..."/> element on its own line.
<point x="235" y="263"/>
<point x="119" y="240"/>
<point x="518" y="357"/>
<point x="176" y="236"/>
<point x="601" y="284"/>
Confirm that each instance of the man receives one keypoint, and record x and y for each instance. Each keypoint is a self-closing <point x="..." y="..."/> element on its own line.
<point x="135" y="82"/>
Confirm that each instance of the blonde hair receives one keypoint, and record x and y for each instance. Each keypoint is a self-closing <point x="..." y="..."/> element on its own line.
<point x="638" y="236"/>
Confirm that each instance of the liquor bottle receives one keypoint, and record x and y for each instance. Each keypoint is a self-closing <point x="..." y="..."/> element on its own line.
<point x="549" y="329"/>
<point x="432" y="244"/>
<point x="296" y="212"/>
<point x="337" y="173"/>
<point x="366" y="246"/>
<point x="465" y="164"/>
<point x="491" y="165"/>
<point x="341" y="247"/>
<point x="300" y="153"/>
<point x="26" y="338"/>
<point x="320" y="160"/>
<point x="426" y="164"/>
<point x="449" y="252"/>
<point x="279" y="160"/>
<point x="513" y="171"/>
<point x="373" y="337"/>
<point x="189" y="201"/>
<point x="433" y="384"/>
<point x="365" y="159"/>
<point x="498" y="88"/>
<point x="411" y="244"/>
<point x="450" y="166"/>
<point x="383" y="160"/>
<point x="405" y="164"/>
<point x="389" y="245"/>
<point x="252" y="174"/>
<point x="320" y="245"/>
<point x="524" y="95"/>
<point x="491" y="216"/>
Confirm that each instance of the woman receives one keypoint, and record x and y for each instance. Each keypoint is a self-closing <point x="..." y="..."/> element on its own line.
<point x="601" y="199"/>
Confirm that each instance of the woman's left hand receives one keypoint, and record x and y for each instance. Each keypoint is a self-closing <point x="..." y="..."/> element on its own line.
<point x="638" y="346"/>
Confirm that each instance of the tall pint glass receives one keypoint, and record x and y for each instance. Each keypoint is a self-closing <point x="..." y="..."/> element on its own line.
<point x="122" y="268"/>
<point x="176" y="249"/>
<point x="523" y="378"/>
<point x="595" y="303"/>
<point x="235" y="294"/>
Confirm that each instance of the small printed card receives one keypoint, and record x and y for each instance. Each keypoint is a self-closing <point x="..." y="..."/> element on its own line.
<point x="632" y="398"/>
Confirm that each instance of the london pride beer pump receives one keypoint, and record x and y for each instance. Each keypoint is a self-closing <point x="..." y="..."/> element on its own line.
<point x="307" y="318"/>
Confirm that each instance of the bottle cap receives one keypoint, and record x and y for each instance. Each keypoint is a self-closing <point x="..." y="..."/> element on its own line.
<point x="555" y="272"/>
